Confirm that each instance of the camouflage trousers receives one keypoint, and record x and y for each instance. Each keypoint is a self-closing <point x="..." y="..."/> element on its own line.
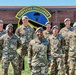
<point x="0" y="54"/>
<point x="22" y="56"/>
<point x="15" y="63"/>
<point x="39" y="70"/>
<point x="66" y="63"/>
<point x="57" y="67"/>
<point x="72" y="65"/>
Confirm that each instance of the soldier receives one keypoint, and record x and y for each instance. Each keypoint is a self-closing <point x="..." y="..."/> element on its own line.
<point x="48" y="30"/>
<point x="56" y="47"/>
<point x="9" y="54"/>
<point x="2" y="32"/>
<point x="64" y="31"/>
<point x="72" y="51"/>
<point x="25" y="33"/>
<point x="38" y="54"/>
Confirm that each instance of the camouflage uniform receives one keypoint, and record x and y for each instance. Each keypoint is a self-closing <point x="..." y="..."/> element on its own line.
<point x="46" y="34"/>
<point x="64" y="32"/>
<point x="9" y="54"/>
<point x="1" y="33"/>
<point x="56" y="47"/>
<point x="39" y="56"/>
<point x="72" y="53"/>
<point x="25" y="34"/>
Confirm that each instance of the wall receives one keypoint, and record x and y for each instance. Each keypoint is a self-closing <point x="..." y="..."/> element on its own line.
<point x="58" y="16"/>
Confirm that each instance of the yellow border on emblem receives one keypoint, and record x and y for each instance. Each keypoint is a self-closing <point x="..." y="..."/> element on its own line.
<point x="39" y="9"/>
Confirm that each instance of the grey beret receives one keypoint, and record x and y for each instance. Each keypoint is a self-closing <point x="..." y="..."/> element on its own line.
<point x="47" y="23"/>
<point x="39" y="28"/>
<point x="67" y="19"/>
<point x="9" y="25"/>
<point x="55" y="26"/>
<point x="24" y="17"/>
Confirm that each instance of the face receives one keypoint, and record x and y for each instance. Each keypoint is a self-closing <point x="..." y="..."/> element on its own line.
<point x="55" y="31"/>
<point x="75" y="28"/>
<point x="1" y="26"/>
<point x="48" y="27"/>
<point x="39" y="33"/>
<point x="67" y="23"/>
<point x="25" y="21"/>
<point x="10" y="30"/>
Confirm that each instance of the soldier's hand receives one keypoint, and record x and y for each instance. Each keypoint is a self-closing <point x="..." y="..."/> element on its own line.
<point x="30" y="66"/>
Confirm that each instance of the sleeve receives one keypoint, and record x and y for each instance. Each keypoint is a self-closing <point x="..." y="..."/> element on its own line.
<point x="18" y="42"/>
<point x="1" y="41"/>
<point x="67" y="41"/>
<point x="17" y="32"/>
<point x="49" y="53"/>
<point x="60" y="32"/>
<point x="44" y="33"/>
<point x="63" y="44"/>
<point x="1" y="38"/>
<point x="71" y="43"/>
<point x="33" y="34"/>
<point x="29" y="53"/>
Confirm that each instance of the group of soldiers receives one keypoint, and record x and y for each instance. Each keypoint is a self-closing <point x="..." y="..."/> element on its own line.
<point x="51" y="50"/>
